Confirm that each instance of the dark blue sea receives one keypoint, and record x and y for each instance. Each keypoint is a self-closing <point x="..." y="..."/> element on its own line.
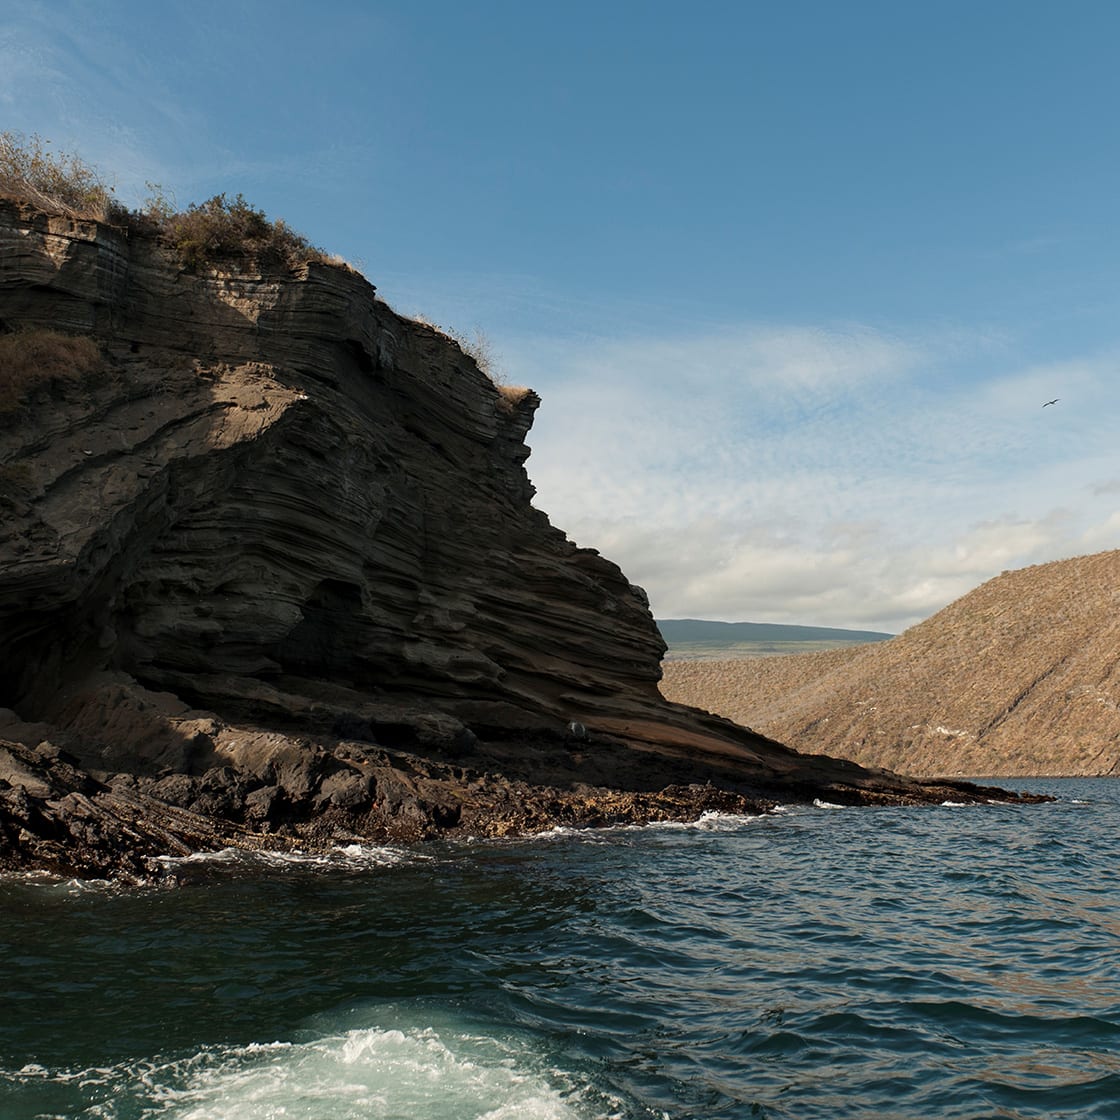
<point x="817" y="964"/>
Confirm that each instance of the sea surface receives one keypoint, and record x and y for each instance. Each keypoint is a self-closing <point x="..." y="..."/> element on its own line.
<point x="816" y="964"/>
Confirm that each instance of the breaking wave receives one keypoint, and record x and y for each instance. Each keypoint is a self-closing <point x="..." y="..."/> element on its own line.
<point x="419" y="1063"/>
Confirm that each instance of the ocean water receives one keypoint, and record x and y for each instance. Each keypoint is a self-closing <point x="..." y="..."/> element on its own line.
<point x="817" y="964"/>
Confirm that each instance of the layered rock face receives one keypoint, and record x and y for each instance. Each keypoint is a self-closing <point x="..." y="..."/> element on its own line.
<point x="280" y="477"/>
<point x="275" y="530"/>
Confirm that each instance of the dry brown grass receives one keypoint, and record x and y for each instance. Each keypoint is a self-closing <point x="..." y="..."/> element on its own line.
<point x="206" y="233"/>
<point x="56" y="182"/>
<point x="510" y="396"/>
<point x="478" y="347"/>
<point x="475" y="344"/>
<point x="35" y="360"/>
<point x="228" y="229"/>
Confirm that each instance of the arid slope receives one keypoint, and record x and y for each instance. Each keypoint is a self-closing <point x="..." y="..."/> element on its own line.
<point x="1019" y="677"/>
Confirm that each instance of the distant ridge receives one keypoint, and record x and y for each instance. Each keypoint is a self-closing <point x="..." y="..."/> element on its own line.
<point x="1019" y="677"/>
<point x="677" y="630"/>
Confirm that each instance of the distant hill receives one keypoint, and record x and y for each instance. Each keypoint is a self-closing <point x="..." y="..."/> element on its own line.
<point x="694" y="637"/>
<point x="1019" y="677"/>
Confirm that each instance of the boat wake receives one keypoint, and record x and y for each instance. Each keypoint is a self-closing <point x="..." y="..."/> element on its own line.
<point x="417" y="1062"/>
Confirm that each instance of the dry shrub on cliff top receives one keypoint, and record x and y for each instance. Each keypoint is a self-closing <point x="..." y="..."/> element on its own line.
<point x="219" y="229"/>
<point x="478" y="347"/>
<point x="58" y="182"/>
<point x="35" y="359"/>
<point x="227" y="229"/>
<point x="510" y="396"/>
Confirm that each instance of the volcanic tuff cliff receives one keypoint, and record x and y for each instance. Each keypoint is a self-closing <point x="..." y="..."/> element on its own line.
<point x="1019" y="677"/>
<point x="274" y="474"/>
<point x="268" y="559"/>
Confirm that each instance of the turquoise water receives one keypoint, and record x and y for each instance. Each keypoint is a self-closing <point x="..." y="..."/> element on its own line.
<point x="821" y="963"/>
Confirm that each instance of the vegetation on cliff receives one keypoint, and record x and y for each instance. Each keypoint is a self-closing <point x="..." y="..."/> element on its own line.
<point x="43" y="362"/>
<point x="205" y="233"/>
<point x="219" y="230"/>
<point x="55" y="182"/>
<point x="37" y="359"/>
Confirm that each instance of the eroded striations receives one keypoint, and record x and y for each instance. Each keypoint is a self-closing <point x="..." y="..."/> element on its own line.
<point x="270" y="574"/>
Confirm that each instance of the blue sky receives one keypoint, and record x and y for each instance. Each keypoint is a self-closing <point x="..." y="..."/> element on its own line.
<point x="793" y="280"/>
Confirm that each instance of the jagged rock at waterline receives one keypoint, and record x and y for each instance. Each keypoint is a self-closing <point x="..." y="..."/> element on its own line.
<point x="270" y="574"/>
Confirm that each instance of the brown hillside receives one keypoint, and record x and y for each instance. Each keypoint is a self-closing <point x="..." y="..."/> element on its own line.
<point x="1020" y="677"/>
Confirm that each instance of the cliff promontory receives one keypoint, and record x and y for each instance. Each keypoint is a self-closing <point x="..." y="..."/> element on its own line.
<point x="270" y="574"/>
<point x="1019" y="677"/>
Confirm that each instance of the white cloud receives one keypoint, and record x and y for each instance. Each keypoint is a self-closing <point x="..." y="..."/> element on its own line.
<point x="1101" y="536"/>
<point x="832" y="477"/>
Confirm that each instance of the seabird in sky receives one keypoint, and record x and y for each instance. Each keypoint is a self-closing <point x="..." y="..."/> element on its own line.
<point x="1054" y="401"/>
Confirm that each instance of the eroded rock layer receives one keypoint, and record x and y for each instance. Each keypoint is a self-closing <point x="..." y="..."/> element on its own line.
<point x="275" y="541"/>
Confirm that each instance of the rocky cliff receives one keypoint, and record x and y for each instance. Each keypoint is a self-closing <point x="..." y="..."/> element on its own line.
<point x="270" y="573"/>
<point x="1019" y="677"/>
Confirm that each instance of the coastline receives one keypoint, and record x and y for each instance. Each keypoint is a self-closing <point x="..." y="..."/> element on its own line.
<point x="63" y="817"/>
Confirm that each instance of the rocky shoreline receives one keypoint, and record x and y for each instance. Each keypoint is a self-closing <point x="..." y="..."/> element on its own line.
<point x="62" y="820"/>
<point x="56" y="817"/>
<point x="282" y="792"/>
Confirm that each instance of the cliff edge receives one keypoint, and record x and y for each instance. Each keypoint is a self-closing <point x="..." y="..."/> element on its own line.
<point x="270" y="574"/>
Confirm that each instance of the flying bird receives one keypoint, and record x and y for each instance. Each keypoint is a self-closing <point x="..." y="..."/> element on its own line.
<point x="1054" y="401"/>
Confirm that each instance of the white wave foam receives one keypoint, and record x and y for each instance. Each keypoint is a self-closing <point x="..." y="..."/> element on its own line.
<point x="819" y="804"/>
<point x="368" y="1073"/>
<point x="348" y="856"/>
<point x="708" y="821"/>
<point x="49" y="882"/>
<point x="224" y="855"/>
<point x="954" y="804"/>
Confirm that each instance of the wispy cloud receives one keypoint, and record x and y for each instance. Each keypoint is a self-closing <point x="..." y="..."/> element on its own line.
<point x="838" y="476"/>
<point x="80" y="77"/>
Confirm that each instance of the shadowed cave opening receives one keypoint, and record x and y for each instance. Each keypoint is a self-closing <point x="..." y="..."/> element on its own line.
<point x="328" y="634"/>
